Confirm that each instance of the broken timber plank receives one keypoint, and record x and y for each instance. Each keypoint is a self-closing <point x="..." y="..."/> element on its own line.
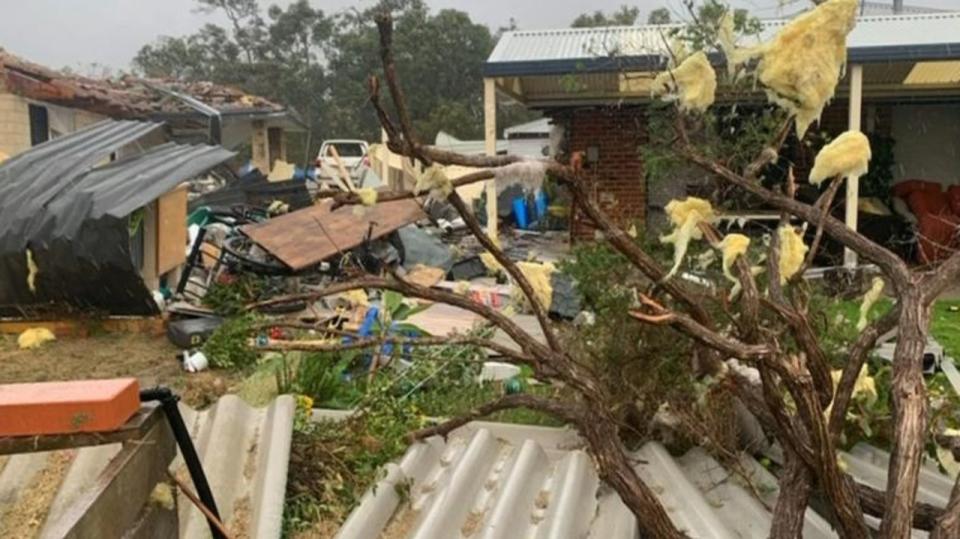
<point x="309" y="236"/>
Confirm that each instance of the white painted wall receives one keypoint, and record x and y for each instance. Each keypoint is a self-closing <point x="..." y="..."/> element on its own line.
<point x="927" y="143"/>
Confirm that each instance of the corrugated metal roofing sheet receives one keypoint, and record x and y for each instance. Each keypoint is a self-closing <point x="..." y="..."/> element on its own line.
<point x="876" y="38"/>
<point x="245" y="452"/>
<point x="69" y="206"/>
<point x="498" y="481"/>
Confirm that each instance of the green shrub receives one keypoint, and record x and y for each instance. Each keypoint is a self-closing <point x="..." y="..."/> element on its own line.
<point x="229" y="348"/>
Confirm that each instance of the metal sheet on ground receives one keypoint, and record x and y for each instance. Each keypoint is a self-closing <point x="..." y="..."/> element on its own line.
<point x="309" y="236"/>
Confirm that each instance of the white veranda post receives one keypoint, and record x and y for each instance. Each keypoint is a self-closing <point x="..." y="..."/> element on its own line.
<point x="385" y="162"/>
<point x="490" y="147"/>
<point x="853" y="182"/>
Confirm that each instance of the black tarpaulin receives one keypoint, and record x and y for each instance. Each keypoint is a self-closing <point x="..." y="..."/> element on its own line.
<point x="66" y="203"/>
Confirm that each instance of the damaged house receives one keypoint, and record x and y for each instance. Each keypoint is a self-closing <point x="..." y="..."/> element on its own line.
<point x="38" y="104"/>
<point x="94" y="220"/>
<point x="93" y="199"/>
<point x="901" y="87"/>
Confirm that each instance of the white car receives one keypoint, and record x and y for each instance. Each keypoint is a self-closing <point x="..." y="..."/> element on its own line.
<point x="353" y="154"/>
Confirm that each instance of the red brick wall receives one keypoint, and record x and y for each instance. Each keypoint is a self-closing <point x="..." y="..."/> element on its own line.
<point x="617" y="178"/>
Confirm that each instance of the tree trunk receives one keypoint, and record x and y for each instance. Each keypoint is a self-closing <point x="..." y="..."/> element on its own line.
<point x="795" y="488"/>
<point x="616" y="469"/>
<point x="949" y="524"/>
<point x="909" y="412"/>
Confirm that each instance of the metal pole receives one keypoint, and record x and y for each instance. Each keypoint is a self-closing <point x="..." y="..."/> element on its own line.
<point x="853" y="182"/>
<point x="490" y="146"/>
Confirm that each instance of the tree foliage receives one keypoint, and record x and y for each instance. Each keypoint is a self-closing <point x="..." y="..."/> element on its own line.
<point x="625" y="16"/>
<point x="659" y="16"/>
<point x="318" y="63"/>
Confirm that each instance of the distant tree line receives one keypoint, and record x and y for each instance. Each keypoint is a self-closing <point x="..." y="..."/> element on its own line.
<point x="318" y="63"/>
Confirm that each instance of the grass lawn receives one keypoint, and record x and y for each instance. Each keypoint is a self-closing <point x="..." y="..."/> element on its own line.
<point x="944" y="322"/>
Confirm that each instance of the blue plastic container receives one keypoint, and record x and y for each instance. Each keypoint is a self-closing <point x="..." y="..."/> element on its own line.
<point x="541" y="203"/>
<point x="520" y="212"/>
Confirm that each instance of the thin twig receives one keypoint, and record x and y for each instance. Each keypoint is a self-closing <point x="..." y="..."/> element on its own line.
<point x="203" y="508"/>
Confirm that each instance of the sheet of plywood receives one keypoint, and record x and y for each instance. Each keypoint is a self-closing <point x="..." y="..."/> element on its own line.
<point x="171" y="230"/>
<point x="309" y="236"/>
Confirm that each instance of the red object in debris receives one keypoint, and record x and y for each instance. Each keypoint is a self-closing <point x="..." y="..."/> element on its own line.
<point x="938" y="236"/>
<point x="276" y="333"/>
<point x="67" y="407"/>
<point x="904" y="188"/>
<point x="953" y="198"/>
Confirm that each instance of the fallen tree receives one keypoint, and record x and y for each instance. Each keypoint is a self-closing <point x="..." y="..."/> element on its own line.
<point x="769" y="330"/>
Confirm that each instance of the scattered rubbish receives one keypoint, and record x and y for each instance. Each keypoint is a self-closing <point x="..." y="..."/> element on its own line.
<point x="420" y="247"/>
<point x="426" y="276"/>
<point x="494" y="371"/>
<point x="195" y="361"/>
<point x="253" y="189"/>
<point x="585" y="318"/>
<point x="192" y="332"/>
<point x="304" y="238"/>
<point x="281" y="170"/>
<point x="34" y="338"/>
<point x="467" y="268"/>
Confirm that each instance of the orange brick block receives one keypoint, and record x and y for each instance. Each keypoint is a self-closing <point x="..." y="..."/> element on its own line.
<point x="67" y="407"/>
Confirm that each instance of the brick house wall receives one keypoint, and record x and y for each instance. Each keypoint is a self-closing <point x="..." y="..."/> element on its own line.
<point x="616" y="179"/>
<point x="14" y="124"/>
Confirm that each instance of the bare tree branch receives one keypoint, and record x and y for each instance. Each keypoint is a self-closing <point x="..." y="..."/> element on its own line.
<point x="361" y="343"/>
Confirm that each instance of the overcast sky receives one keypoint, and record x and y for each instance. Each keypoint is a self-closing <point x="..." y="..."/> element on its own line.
<point x="80" y="33"/>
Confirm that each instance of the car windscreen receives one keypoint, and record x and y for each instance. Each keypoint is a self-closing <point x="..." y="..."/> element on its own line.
<point x="348" y="149"/>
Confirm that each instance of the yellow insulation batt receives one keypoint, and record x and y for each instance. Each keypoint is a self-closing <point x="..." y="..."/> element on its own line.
<point x="686" y="216"/>
<point x="801" y="66"/>
<point x="792" y="252"/>
<point x="34" y="338"/>
<point x="32" y="271"/>
<point x="693" y="83"/>
<point x="367" y="196"/>
<point x="732" y="246"/>
<point x="493" y="265"/>
<point x="869" y="299"/>
<point x="436" y="181"/>
<point x="847" y="155"/>
<point x="539" y="276"/>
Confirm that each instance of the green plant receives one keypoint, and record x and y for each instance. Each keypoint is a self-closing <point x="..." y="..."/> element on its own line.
<point x="879" y="178"/>
<point x="320" y="376"/>
<point x="231" y="298"/>
<point x="229" y="347"/>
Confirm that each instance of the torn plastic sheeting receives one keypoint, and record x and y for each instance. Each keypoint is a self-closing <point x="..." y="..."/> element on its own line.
<point x="421" y="247"/>
<point x="73" y="216"/>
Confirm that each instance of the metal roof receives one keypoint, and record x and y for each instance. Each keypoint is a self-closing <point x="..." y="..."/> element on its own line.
<point x="69" y="205"/>
<point x="887" y="8"/>
<point x="499" y="481"/>
<point x="927" y="36"/>
<point x="245" y="452"/>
